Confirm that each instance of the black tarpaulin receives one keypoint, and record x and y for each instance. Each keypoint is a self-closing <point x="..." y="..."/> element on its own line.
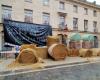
<point x="25" y="33"/>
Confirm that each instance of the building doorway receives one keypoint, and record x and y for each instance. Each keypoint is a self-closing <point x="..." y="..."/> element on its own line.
<point x="95" y="42"/>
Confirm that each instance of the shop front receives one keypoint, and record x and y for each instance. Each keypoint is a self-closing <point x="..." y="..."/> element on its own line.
<point x="87" y="41"/>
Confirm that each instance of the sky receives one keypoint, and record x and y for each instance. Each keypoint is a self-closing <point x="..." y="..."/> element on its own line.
<point x="97" y="1"/>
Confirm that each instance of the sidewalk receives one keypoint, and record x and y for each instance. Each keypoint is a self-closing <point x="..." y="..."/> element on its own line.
<point x="48" y="63"/>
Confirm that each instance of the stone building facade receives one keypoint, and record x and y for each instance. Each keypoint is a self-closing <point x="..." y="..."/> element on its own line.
<point x="79" y="15"/>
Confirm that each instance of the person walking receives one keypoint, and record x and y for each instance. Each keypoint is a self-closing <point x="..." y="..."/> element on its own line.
<point x="17" y="50"/>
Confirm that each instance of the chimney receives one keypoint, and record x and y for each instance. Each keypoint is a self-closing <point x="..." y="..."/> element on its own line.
<point x="84" y="0"/>
<point x="94" y="2"/>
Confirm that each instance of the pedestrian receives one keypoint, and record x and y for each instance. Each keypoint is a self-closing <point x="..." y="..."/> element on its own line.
<point x="17" y="51"/>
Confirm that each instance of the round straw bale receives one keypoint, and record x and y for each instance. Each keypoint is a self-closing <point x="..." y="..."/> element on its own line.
<point x="96" y="51"/>
<point x="27" y="56"/>
<point x="52" y="40"/>
<point x="58" y="51"/>
<point x="73" y="52"/>
<point x="25" y="46"/>
<point x="42" y="52"/>
<point x="85" y="53"/>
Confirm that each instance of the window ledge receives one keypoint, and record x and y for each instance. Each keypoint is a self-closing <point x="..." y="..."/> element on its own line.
<point x="29" y="1"/>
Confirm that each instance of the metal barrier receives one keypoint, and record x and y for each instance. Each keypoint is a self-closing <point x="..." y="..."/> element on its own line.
<point x="7" y="54"/>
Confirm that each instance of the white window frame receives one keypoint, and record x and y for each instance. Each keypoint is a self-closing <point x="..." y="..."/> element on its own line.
<point x="6" y="12"/>
<point x="85" y="25"/>
<point x="94" y="13"/>
<point x="28" y="14"/>
<point x="95" y="26"/>
<point x="86" y="11"/>
<point x="75" y="8"/>
<point x="46" y="2"/>
<point x="61" y="22"/>
<point x="75" y="23"/>
<point x="61" y="5"/>
<point x="46" y="18"/>
<point x="30" y="1"/>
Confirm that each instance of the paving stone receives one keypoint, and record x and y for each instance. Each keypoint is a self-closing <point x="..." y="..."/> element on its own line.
<point x="90" y="71"/>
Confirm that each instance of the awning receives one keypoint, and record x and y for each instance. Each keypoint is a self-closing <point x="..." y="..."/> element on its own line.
<point x="88" y="37"/>
<point x="75" y="37"/>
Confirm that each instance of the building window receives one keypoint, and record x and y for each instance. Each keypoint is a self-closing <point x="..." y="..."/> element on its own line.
<point x="95" y="26"/>
<point x="75" y="23"/>
<point x="46" y="18"/>
<point x="45" y="2"/>
<point x="62" y="5"/>
<point x="85" y="25"/>
<point x="28" y="15"/>
<point x="85" y="11"/>
<point x="94" y="13"/>
<point x="75" y="9"/>
<point x="61" y="22"/>
<point x="6" y="12"/>
<point x="28" y="1"/>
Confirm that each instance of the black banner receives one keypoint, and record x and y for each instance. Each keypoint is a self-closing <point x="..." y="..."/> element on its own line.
<point x="25" y="33"/>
